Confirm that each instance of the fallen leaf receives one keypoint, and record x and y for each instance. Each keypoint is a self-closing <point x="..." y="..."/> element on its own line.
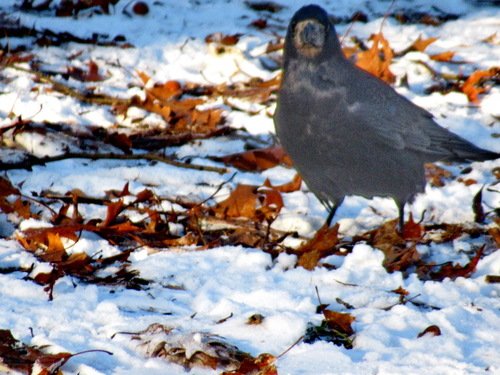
<point x="322" y="244"/>
<point x="257" y="160"/>
<point x="448" y="270"/>
<point x="431" y="330"/>
<point x="446" y="56"/>
<point x="339" y="321"/>
<point x="377" y="59"/>
<point x="288" y="187"/>
<point x="473" y="85"/>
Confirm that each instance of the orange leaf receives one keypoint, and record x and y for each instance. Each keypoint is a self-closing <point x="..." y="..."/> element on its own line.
<point x="165" y="91"/>
<point x="471" y="86"/>
<point x="421" y="44"/>
<point x="143" y="76"/>
<point x="377" y="59"/>
<point x="443" y="56"/>
<point x="55" y="249"/>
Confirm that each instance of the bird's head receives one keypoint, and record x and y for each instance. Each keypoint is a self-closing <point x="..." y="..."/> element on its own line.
<point x="310" y="34"/>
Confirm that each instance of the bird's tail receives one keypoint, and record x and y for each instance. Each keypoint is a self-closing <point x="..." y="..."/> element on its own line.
<point x="474" y="154"/>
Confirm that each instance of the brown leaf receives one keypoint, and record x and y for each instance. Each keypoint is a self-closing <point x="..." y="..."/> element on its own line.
<point x="264" y="364"/>
<point x="453" y="271"/>
<point x="377" y="59"/>
<point x="6" y="188"/>
<point x="271" y="203"/>
<point x="321" y="245"/>
<point x="91" y="75"/>
<point x="241" y="203"/>
<point x="412" y="230"/>
<point x="114" y="209"/>
<point x="255" y="319"/>
<point x="145" y="195"/>
<point x="55" y="249"/>
<point x="189" y="349"/>
<point x="398" y="257"/>
<point x="431" y="330"/>
<point x="223" y="39"/>
<point x="339" y="321"/>
<point x="401" y="291"/>
<point x="119" y="140"/>
<point x="165" y="91"/>
<point x="288" y="187"/>
<point x="258" y="159"/>
<point x="436" y="175"/>
<point x="49" y="364"/>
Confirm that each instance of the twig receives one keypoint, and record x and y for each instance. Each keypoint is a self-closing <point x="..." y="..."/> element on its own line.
<point x="69" y="91"/>
<point x="291" y="346"/>
<point x="32" y="161"/>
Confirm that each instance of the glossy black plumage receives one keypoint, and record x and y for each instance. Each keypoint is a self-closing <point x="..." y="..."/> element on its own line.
<point x="349" y="133"/>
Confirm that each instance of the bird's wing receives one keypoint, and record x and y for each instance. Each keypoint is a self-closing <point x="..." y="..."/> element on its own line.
<point x="392" y="119"/>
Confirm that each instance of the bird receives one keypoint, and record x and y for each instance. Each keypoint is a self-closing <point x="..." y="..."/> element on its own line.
<point x="349" y="133"/>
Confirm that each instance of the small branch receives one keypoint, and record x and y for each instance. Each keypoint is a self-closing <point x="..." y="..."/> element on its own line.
<point x="31" y="161"/>
<point x="69" y="91"/>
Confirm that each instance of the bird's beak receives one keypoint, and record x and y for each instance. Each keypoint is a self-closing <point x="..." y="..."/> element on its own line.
<point x="311" y="33"/>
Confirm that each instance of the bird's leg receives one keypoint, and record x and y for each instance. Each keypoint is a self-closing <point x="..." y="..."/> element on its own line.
<point x="401" y="221"/>
<point x="331" y="214"/>
<point x="332" y="208"/>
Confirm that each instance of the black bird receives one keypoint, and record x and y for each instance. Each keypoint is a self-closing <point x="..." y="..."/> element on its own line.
<point x="349" y="133"/>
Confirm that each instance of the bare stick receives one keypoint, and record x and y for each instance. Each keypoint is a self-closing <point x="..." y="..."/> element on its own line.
<point x="32" y="161"/>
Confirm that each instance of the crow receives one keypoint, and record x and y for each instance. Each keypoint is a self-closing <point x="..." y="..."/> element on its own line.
<point x="349" y="133"/>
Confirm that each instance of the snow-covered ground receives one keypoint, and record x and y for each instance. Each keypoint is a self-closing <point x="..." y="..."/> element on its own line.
<point x="216" y="290"/>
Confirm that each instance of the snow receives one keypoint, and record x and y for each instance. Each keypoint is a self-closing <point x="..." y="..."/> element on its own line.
<point x="215" y="291"/>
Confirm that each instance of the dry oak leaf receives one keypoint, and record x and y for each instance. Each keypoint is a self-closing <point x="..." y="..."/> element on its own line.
<point x="258" y="159"/>
<point x="377" y="59"/>
<point x="421" y="44"/>
<point x="472" y="85"/>
<point x="321" y="245"/>
<point x="446" y="56"/>
<point x="453" y="271"/>
<point x="339" y="321"/>
<point x="251" y="202"/>
<point x="288" y="187"/>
